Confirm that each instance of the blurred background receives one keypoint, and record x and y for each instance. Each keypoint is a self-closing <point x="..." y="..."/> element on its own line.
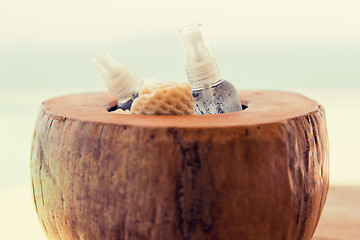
<point x="310" y="46"/>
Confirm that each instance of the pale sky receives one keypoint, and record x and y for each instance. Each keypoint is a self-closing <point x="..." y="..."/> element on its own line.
<point x="83" y="22"/>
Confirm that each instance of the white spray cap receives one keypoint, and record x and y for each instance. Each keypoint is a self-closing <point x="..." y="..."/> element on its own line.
<point x="119" y="79"/>
<point x="200" y="65"/>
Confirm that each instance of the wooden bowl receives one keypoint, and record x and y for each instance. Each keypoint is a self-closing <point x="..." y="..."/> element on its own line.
<point x="262" y="173"/>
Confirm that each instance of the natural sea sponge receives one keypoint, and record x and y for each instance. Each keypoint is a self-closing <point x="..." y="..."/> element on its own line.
<point x="121" y="111"/>
<point x="169" y="98"/>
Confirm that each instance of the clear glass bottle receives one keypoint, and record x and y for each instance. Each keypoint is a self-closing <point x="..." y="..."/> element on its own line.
<point x="212" y="95"/>
<point x="119" y="79"/>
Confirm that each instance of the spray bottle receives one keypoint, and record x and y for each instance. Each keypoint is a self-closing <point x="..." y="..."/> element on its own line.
<point x="212" y="95"/>
<point x="119" y="79"/>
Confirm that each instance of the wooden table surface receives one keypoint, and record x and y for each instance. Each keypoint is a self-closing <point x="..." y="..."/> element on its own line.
<point x="340" y="219"/>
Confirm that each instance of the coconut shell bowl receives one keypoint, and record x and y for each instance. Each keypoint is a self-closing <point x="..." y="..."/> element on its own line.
<point x="261" y="173"/>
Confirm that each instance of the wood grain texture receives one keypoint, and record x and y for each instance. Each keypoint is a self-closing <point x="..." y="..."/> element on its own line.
<point x="261" y="173"/>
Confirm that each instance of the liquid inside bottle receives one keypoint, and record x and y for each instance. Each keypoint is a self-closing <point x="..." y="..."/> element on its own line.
<point x="125" y="104"/>
<point x="220" y="97"/>
<point x="212" y="95"/>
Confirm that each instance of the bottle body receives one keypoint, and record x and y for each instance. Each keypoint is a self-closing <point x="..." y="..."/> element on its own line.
<point x="219" y="97"/>
<point x="125" y="104"/>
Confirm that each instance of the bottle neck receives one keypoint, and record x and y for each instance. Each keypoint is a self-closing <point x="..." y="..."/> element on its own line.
<point x="201" y="66"/>
<point x="123" y="83"/>
<point x="119" y="79"/>
<point x="204" y="87"/>
<point x="202" y="74"/>
<point x="129" y="95"/>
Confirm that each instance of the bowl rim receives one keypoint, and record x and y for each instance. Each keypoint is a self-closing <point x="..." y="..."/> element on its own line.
<point x="263" y="107"/>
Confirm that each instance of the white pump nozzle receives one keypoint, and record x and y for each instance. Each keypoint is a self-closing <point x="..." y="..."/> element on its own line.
<point x="200" y="66"/>
<point x="119" y="79"/>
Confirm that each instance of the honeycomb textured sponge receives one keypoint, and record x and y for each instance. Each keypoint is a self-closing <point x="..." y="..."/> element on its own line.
<point x="169" y="98"/>
<point x="120" y="111"/>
